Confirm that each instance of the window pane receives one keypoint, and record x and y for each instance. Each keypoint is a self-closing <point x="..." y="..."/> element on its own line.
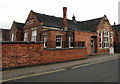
<point x="100" y="40"/>
<point x="107" y="44"/>
<point x="100" y="34"/>
<point x="106" y="33"/>
<point x="34" y="33"/>
<point x="71" y="44"/>
<point x="26" y="36"/>
<point x="83" y="44"/>
<point x="100" y="44"/>
<point x="59" y="41"/>
<point x="58" y="44"/>
<point x="12" y="37"/>
<point x="105" y="39"/>
<point x="45" y="41"/>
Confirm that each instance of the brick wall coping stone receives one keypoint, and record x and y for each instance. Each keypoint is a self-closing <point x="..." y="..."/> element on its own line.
<point x="65" y="48"/>
<point x="21" y="42"/>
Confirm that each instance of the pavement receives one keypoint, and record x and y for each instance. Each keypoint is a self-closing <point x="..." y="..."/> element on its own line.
<point x="106" y="71"/>
<point x="51" y="67"/>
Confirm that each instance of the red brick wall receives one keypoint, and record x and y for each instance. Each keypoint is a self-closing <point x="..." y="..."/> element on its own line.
<point x="28" y="54"/>
<point x="103" y="51"/>
<point x="20" y="54"/>
<point x="19" y="35"/>
<point x="63" y="55"/>
<point x="85" y="36"/>
<point x="52" y="38"/>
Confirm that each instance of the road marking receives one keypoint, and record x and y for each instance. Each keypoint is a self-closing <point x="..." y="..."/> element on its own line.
<point x="92" y="63"/>
<point x="32" y="75"/>
<point x="83" y="65"/>
<point x="55" y="70"/>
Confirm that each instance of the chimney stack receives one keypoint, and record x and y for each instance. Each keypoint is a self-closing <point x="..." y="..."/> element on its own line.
<point x="65" y="18"/>
<point x="114" y="23"/>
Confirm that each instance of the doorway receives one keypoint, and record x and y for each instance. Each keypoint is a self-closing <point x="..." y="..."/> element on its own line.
<point x="93" y="44"/>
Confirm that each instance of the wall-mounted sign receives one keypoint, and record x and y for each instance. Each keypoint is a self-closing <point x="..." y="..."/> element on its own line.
<point x="30" y="22"/>
<point x="106" y="25"/>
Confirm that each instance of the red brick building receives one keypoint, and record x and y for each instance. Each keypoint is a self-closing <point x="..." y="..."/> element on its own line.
<point x="96" y="34"/>
<point x="47" y="39"/>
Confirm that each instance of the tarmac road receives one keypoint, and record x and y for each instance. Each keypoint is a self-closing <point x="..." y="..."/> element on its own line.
<point x="99" y="72"/>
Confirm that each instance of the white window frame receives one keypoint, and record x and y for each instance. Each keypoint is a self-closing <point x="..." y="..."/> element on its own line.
<point x="100" y="37"/>
<point x="70" y="40"/>
<point x="34" y="35"/>
<point x="59" y="40"/>
<point x="111" y="41"/>
<point x="45" y="40"/>
<point x="26" y="36"/>
<point x="12" y="37"/>
<point x="106" y="43"/>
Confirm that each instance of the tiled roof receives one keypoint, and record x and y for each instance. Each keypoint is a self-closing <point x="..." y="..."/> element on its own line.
<point x="5" y="34"/>
<point x="116" y="27"/>
<point x="51" y="21"/>
<point x="89" y="25"/>
<point x="19" y="25"/>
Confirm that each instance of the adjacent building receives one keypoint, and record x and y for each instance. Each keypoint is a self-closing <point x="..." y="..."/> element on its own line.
<point x="4" y="34"/>
<point x="117" y="37"/>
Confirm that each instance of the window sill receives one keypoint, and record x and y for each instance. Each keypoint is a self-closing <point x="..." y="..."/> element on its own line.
<point x="104" y="48"/>
<point x="58" y="47"/>
<point x="71" y="47"/>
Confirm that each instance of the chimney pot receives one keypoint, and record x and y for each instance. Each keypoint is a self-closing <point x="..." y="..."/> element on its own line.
<point x="64" y="8"/>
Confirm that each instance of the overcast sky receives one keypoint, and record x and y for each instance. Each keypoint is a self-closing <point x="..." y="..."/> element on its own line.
<point x="18" y="10"/>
